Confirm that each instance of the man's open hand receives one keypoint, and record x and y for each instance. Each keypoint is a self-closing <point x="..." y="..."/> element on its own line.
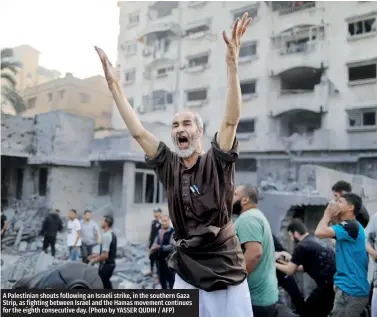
<point x="110" y="72"/>
<point x="234" y="43"/>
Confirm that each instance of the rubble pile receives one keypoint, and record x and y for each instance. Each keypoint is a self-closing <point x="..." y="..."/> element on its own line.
<point x="25" y="219"/>
<point x="132" y="266"/>
<point x="28" y="259"/>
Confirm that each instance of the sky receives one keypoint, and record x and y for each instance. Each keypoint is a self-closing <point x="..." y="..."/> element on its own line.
<point x="64" y="31"/>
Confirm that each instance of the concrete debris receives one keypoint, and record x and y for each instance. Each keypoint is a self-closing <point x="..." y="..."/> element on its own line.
<point x="22" y="253"/>
<point x="25" y="219"/>
<point x="28" y="259"/>
<point x="23" y="246"/>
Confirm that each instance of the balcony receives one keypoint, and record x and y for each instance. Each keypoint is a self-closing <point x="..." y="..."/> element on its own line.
<point x="307" y="54"/>
<point x="296" y="99"/>
<point x="287" y="15"/>
<point x="157" y="101"/>
<point x="198" y="29"/>
<point x="291" y="7"/>
<point x="157" y="39"/>
<point x="158" y="68"/>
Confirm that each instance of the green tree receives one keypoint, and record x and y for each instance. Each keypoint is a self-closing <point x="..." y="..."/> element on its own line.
<point x="9" y="68"/>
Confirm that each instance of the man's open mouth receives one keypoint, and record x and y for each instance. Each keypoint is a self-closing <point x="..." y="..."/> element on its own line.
<point x="183" y="142"/>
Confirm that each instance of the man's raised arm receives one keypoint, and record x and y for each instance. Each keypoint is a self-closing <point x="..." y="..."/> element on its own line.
<point x="227" y="132"/>
<point x="147" y="141"/>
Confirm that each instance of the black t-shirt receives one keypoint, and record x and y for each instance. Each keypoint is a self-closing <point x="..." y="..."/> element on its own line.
<point x="317" y="259"/>
<point x="3" y="219"/>
<point x="278" y="246"/>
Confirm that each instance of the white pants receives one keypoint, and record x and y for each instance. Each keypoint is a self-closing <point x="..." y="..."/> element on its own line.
<point x="231" y="302"/>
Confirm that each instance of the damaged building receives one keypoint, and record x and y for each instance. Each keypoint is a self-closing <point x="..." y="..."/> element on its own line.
<point x="307" y="72"/>
<point x="57" y="155"/>
<point x="58" y="158"/>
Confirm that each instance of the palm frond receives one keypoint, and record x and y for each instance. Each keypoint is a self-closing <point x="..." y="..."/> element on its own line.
<point x="14" y="98"/>
<point x="6" y="53"/>
<point x="11" y="65"/>
<point x="9" y="78"/>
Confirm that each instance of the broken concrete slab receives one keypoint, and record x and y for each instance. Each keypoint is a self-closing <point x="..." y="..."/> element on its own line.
<point x="23" y="246"/>
<point x="19" y="235"/>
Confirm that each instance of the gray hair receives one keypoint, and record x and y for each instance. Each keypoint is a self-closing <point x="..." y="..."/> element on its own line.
<point x="198" y="119"/>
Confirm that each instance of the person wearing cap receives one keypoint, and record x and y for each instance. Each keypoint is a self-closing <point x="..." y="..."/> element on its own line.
<point x="155" y="227"/>
<point x="107" y="254"/>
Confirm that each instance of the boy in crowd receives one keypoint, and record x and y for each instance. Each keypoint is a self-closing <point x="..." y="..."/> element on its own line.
<point x="342" y="187"/>
<point x="351" y="282"/>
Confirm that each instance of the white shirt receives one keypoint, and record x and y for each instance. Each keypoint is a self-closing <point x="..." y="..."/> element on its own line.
<point x="73" y="226"/>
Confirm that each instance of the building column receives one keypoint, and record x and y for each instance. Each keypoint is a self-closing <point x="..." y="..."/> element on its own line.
<point x="128" y="192"/>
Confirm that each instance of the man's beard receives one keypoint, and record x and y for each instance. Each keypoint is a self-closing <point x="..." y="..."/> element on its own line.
<point x="237" y="208"/>
<point x="186" y="153"/>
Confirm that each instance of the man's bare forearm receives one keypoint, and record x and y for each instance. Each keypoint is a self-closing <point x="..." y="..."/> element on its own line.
<point x="233" y="109"/>
<point x="233" y="97"/>
<point x="252" y="264"/>
<point x="147" y="141"/>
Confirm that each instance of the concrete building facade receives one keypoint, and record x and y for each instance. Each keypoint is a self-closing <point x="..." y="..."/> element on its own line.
<point x="88" y="97"/>
<point x="308" y="73"/>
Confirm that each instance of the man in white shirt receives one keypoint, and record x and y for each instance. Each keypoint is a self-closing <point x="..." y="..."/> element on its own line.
<point x="73" y="236"/>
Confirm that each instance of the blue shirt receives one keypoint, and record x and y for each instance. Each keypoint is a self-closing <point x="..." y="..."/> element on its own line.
<point x="351" y="259"/>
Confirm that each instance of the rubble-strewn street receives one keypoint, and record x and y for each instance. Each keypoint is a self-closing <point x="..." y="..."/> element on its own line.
<point x="22" y="253"/>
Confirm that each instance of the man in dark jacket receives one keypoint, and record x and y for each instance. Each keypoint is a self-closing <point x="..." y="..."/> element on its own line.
<point x="155" y="227"/>
<point x="162" y="247"/>
<point x="50" y="227"/>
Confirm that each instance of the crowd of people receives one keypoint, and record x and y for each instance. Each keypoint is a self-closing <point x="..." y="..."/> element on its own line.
<point x="236" y="266"/>
<point x="338" y="267"/>
<point x="95" y="244"/>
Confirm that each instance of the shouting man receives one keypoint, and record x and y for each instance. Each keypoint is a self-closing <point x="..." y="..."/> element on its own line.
<point x="200" y="189"/>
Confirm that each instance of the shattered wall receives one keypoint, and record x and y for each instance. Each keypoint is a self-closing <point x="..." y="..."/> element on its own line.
<point x="323" y="179"/>
<point x="77" y="188"/>
<point x="17" y="135"/>
<point x="285" y="170"/>
<point x="63" y="139"/>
